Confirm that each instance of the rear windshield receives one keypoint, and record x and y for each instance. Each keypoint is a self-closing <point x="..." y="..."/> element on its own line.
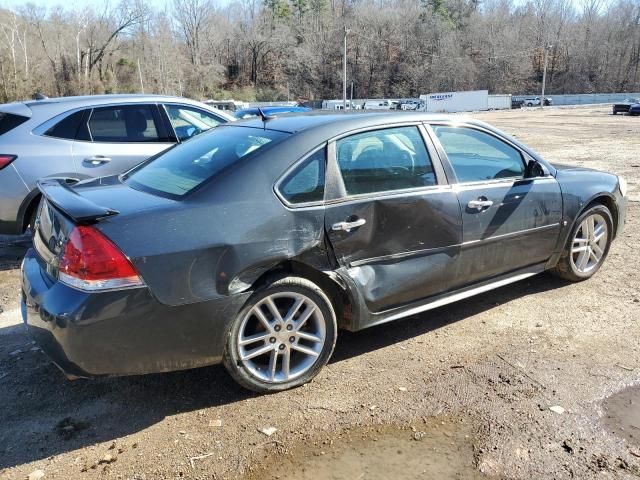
<point x="9" y="121"/>
<point x="188" y="165"/>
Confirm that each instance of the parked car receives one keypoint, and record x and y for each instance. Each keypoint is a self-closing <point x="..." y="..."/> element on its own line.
<point x="253" y="111"/>
<point x="379" y="105"/>
<point x="623" y="106"/>
<point x="516" y="103"/>
<point x="535" y="101"/>
<point x="82" y="137"/>
<point x="634" y="109"/>
<point x="269" y="236"/>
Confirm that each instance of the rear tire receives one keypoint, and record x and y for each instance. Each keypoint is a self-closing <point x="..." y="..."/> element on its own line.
<point x="282" y="337"/>
<point x="587" y="246"/>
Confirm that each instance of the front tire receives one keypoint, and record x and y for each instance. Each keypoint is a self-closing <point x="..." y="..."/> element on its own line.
<point x="588" y="245"/>
<point x="282" y="337"/>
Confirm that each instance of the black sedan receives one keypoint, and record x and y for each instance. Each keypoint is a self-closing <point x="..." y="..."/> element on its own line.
<point x="253" y="244"/>
<point x="623" y="106"/>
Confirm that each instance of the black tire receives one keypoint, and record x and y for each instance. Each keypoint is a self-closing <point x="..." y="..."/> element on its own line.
<point x="565" y="268"/>
<point x="242" y="374"/>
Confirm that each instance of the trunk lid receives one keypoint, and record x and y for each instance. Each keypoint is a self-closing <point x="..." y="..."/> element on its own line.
<point x="64" y="206"/>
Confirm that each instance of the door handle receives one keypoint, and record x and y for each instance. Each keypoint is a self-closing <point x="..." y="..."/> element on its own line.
<point x="97" y="160"/>
<point x="479" y="204"/>
<point x="348" y="226"/>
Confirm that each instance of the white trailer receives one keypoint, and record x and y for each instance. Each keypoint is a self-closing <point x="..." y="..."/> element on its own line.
<point x="499" y="102"/>
<point x="337" y="105"/>
<point x="457" y="101"/>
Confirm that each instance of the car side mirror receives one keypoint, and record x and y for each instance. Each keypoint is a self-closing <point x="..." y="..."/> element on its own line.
<point x="535" y="169"/>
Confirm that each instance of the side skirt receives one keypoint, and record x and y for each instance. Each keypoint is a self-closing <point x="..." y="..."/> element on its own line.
<point x="451" y="297"/>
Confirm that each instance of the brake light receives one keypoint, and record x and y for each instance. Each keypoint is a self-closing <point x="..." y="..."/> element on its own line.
<point x="92" y="262"/>
<point x="5" y="160"/>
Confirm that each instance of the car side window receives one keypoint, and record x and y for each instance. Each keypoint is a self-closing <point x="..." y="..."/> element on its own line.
<point x="478" y="156"/>
<point x="71" y="127"/>
<point x="384" y="160"/>
<point x="125" y="123"/>
<point x="305" y="183"/>
<point x="189" y="121"/>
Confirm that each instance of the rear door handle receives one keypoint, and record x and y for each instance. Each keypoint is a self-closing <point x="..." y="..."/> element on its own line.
<point x="97" y="160"/>
<point x="348" y="226"/>
<point x="479" y="204"/>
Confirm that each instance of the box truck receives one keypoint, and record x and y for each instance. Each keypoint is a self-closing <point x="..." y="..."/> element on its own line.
<point x="457" y="101"/>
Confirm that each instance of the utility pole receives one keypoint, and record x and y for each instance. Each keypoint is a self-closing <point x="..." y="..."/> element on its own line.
<point x="351" y="100"/>
<point x="140" y="75"/>
<point x="344" y="71"/>
<point x="544" y="73"/>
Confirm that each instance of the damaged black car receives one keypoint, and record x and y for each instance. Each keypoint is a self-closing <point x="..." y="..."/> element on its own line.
<point x="254" y="243"/>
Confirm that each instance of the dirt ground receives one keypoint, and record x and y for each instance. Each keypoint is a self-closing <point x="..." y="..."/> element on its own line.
<point x="463" y="391"/>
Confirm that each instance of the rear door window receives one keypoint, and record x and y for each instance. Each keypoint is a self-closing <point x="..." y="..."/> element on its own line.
<point x="190" y="121"/>
<point x="124" y="124"/>
<point x="385" y="160"/>
<point x="187" y="166"/>
<point x="9" y="121"/>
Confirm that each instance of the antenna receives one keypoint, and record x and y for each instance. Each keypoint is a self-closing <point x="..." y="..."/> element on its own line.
<point x="265" y="118"/>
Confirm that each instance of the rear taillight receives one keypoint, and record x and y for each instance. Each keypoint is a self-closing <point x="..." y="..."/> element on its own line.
<point x="5" y="160"/>
<point x="92" y="262"/>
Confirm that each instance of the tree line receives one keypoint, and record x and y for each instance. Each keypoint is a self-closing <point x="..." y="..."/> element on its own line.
<point x="293" y="49"/>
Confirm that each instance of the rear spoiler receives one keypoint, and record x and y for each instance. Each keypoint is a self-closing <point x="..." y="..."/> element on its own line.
<point x="81" y="210"/>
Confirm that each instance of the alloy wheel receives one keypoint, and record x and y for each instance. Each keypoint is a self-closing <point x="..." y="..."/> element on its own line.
<point x="281" y="337"/>
<point x="589" y="243"/>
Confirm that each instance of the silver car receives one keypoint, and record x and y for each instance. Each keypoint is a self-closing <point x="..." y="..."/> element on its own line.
<point x="82" y="137"/>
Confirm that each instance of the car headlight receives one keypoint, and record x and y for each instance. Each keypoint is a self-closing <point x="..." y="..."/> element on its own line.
<point x="622" y="184"/>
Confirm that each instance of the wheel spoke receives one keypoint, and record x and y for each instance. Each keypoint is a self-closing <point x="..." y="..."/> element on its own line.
<point x="253" y="338"/>
<point x="273" y="363"/>
<point x="286" y="363"/>
<point x="302" y="319"/>
<point x="579" y="249"/>
<point x="305" y="350"/>
<point x="308" y="336"/>
<point x="273" y="309"/>
<point x="257" y="352"/>
<point x="599" y="231"/>
<point x="597" y="251"/>
<point x="583" y="260"/>
<point x="593" y="255"/>
<point x="590" y="227"/>
<point x="294" y="309"/>
<point x="263" y="320"/>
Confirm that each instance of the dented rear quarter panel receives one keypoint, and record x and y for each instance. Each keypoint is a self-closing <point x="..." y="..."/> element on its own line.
<point x="220" y="240"/>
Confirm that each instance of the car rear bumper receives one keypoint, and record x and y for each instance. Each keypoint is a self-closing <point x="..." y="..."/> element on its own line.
<point x="124" y="332"/>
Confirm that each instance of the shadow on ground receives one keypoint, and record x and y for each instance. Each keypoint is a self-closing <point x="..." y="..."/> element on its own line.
<point x="43" y="414"/>
<point x="12" y="250"/>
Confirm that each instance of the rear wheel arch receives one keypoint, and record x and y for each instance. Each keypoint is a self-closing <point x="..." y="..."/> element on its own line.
<point x="28" y="209"/>
<point x="338" y="294"/>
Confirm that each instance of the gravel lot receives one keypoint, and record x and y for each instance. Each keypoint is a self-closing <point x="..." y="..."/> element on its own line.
<point x="461" y="392"/>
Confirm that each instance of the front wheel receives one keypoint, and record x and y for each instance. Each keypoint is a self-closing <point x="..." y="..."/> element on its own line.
<point x="588" y="245"/>
<point x="282" y="337"/>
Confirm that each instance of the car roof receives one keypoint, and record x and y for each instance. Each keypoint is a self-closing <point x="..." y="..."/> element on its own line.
<point x="56" y="105"/>
<point x="345" y="121"/>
